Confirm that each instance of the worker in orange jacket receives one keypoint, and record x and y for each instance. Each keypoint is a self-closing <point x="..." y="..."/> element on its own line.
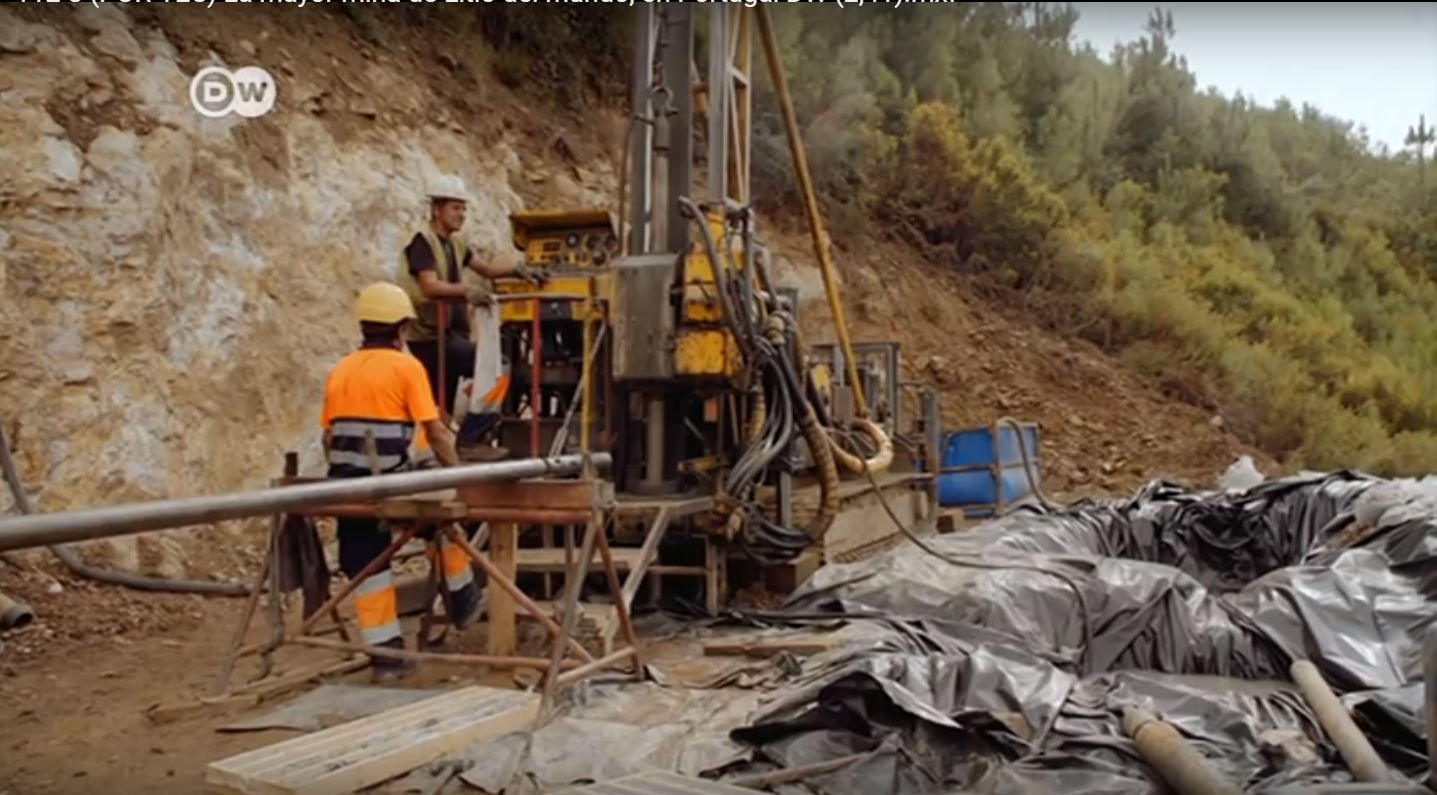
<point x="382" y="392"/>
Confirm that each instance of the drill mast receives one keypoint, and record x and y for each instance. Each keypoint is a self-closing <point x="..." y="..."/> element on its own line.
<point x="665" y="101"/>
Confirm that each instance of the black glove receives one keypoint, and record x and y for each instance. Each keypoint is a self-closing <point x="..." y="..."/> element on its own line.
<point x="478" y="295"/>
<point x="535" y="276"/>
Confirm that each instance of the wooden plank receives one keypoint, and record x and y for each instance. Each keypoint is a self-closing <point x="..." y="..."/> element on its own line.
<point x="552" y="560"/>
<point x="253" y="694"/>
<point x="784" y="578"/>
<point x="410" y="508"/>
<point x="552" y="495"/>
<point x="270" y="687"/>
<point x="362" y="753"/>
<point x="802" y="645"/>
<point x="503" y="543"/>
<point x="678" y="507"/>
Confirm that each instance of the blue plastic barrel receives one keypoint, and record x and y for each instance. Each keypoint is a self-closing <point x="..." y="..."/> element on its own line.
<point x="973" y="474"/>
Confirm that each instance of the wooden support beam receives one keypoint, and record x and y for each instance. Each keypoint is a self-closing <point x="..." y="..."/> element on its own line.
<point x="540" y="495"/>
<point x="647" y="553"/>
<point x="414" y="509"/>
<point x="503" y="549"/>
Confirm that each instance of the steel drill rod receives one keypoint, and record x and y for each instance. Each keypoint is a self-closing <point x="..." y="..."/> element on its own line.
<point x="1357" y="752"/>
<point x="71" y="526"/>
<point x="1181" y="765"/>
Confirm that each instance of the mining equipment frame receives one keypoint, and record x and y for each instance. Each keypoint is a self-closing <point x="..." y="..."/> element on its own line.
<point x="728" y="435"/>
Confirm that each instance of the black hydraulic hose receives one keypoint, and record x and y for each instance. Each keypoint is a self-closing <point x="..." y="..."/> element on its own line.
<point x="766" y="347"/>
<point x="81" y="569"/>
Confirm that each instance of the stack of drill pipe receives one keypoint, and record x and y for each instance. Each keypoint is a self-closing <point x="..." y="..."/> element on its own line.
<point x="1180" y="764"/>
<point x="1356" y="751"/>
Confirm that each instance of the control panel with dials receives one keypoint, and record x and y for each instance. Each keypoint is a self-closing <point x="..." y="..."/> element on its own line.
<point x="576" y="239"/>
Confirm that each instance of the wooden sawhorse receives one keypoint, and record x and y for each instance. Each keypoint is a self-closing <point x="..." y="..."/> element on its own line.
<point x="503" y="507"/>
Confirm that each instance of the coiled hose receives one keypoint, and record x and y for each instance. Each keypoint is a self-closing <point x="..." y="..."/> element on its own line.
<point x="882" y="445"/>
<point x="81" y="569"/>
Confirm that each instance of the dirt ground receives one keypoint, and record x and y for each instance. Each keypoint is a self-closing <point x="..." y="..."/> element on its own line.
<point x="75" y="707"/>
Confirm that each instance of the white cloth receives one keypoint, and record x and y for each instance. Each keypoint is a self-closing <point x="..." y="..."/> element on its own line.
<point x="489" y="364"/>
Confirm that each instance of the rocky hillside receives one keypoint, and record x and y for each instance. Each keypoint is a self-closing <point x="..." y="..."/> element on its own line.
<point x="173" y="289"/>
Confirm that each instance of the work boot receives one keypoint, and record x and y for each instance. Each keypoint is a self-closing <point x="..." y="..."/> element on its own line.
<point x="393" y="671"/>
<point x="483" y="453"/>
<point x="476" y="429"/>
<point x="385" y="670"/>
<point x="467" y="605"/>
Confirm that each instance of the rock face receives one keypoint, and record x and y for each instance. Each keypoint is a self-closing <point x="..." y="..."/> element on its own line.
<point x="173" y="289"/>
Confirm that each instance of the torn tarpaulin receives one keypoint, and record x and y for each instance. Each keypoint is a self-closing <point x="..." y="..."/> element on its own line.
<point x="1137" y="596"/>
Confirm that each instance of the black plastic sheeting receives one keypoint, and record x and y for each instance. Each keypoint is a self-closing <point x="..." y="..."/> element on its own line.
<point x="1008" y="652"/>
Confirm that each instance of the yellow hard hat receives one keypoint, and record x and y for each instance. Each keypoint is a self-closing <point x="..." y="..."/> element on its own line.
<point x="385" y="303"/>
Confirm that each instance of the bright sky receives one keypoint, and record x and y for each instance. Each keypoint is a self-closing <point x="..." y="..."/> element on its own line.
<point x="1371" y="63"/>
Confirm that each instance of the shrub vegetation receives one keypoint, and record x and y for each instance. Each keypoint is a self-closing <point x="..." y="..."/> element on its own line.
<point x="1269" y="263"/>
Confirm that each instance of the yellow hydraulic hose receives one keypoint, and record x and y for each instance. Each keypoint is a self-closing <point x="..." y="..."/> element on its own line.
<point x="881" y="460"/>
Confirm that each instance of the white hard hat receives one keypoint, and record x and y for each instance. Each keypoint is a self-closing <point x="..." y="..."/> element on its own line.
<point x="448" y="186"/>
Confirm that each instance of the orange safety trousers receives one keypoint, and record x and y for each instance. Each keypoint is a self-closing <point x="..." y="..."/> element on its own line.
<point x="376" y="602"/>
<point x="455" y="565"/>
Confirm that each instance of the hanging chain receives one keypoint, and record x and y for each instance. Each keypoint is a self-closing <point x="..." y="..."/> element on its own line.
<point x="661" y="96"/>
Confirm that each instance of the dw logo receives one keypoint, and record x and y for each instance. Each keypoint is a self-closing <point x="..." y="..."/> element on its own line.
<point x="216" y="92"/>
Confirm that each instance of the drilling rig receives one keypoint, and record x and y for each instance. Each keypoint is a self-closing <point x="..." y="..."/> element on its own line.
<point x="740" y="454"/>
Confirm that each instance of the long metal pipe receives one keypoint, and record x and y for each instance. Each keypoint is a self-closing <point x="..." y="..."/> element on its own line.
<point x="1357" y="752"/>
<point x="121" y="520"/>
<point x="1180" y="764"/>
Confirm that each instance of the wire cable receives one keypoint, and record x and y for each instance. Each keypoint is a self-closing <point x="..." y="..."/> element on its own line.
<point x="79" y="568"/>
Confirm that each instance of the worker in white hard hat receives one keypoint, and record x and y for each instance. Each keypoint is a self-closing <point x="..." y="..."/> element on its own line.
<point x="429" y="271"/>
<point x="381" y="393"/>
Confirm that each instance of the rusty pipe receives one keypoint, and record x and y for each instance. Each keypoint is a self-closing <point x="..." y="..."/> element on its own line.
<point x="1337" y="723"/>
<point x="121" y="520"/>
<point x="1180" y="764"/>
<point x="13" y="614"/>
